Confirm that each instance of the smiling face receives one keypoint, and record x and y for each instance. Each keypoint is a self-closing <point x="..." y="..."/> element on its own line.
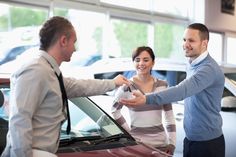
<point x="143" y="63"/>
<point x="193" y="45"/>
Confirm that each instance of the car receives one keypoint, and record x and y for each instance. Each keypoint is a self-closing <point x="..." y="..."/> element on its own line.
<point x="163" y="69"/>
<point x="77" y="67"/>
<point x="173" y="72"/>
<point x="11" y="53"/>
<point x="93" y="132"/>
<point x="83" y="59"/>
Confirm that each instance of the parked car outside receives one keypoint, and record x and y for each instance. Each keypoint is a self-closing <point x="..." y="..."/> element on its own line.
<point x="83" y="59"/>
<point x="12" y="52"/>
<point x="173" y="72"/>
<point x="77" y="67"/>
<point x="93" y="132"/>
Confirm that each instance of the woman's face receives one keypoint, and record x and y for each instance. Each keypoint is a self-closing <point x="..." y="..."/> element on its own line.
<point x="143" y="63"/>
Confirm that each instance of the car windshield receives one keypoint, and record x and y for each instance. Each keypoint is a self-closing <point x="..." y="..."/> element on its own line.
<point x="88" y="120"/>
<point x="230" y="84"/>
<point x="232" y="77"/>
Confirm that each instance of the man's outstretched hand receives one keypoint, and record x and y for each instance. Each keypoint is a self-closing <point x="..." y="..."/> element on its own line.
<point x="137" y="100"/>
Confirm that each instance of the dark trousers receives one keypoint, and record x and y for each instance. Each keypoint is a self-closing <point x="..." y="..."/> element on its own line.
<point x="211" y="148"/>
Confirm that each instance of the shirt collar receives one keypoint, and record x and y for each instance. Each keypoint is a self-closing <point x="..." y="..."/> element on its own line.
<point x="199" y="58"/>
<point x="51" y="61"/>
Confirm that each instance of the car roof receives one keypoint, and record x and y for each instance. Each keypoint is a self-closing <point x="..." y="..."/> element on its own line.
<point x="126" y="64"/>
<point x="228" y="68"/>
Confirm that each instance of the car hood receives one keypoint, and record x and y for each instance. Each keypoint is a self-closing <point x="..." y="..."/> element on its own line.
<point x="129" y="151"/>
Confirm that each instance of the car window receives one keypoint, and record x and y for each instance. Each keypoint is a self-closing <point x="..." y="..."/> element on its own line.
<point x="12" y="53"/>
<point x="4" y="96"/>
<point x="4" y="106"/>
<point x="228" y="102"/>
<point x="232" y="77"/>
<point x="88" y="120"/>
<point x="230" y="84"/>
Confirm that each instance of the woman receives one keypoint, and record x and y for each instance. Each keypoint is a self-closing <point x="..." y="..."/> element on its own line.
<point x="147" y="125"/>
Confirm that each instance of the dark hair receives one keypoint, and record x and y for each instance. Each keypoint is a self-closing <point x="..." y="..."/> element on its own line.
<point x="52" y="29"/>
<point x="204" y="32"/>
<point x="140" y="49"/>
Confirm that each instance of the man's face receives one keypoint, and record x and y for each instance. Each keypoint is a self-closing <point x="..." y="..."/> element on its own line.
<point x="69" y="46"/>
<point x="192" y="44"/>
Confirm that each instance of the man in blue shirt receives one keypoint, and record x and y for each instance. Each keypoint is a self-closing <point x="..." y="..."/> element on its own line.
<point x="202" y="91"/>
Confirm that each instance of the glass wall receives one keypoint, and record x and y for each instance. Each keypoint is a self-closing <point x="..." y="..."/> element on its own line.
<point x="215" y="46"/>
<point x="173" y="7"/>
<point x="19" y="26"/>
<point x="169" y="7"/>
<point x="127" y="35"/>
<point x="168" y="41"/>
<point x="142" y="4"/>
<point x="107" y="28"/>
<point x="89" y="28"/>
<point x="231" y="49"/>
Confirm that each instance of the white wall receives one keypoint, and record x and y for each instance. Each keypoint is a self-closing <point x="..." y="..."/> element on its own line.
<point x="216" y="20"/>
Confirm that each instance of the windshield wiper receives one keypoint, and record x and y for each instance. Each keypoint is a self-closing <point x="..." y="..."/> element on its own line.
<point x="117" y="137"/>
<point x="73" y="139"/>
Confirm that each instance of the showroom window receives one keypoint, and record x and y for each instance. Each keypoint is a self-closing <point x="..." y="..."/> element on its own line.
<point x="231" y="49"/>
<point x="127" y="35"/>
<point x="19" y="26"/>
<point x="215" y="46"/>
<point x="171" y="7"/>
<point x="142" y="4"/>
<point x="89" y="28"/>
<point x="168" y="39"/>
<point x="108" y="28"/>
